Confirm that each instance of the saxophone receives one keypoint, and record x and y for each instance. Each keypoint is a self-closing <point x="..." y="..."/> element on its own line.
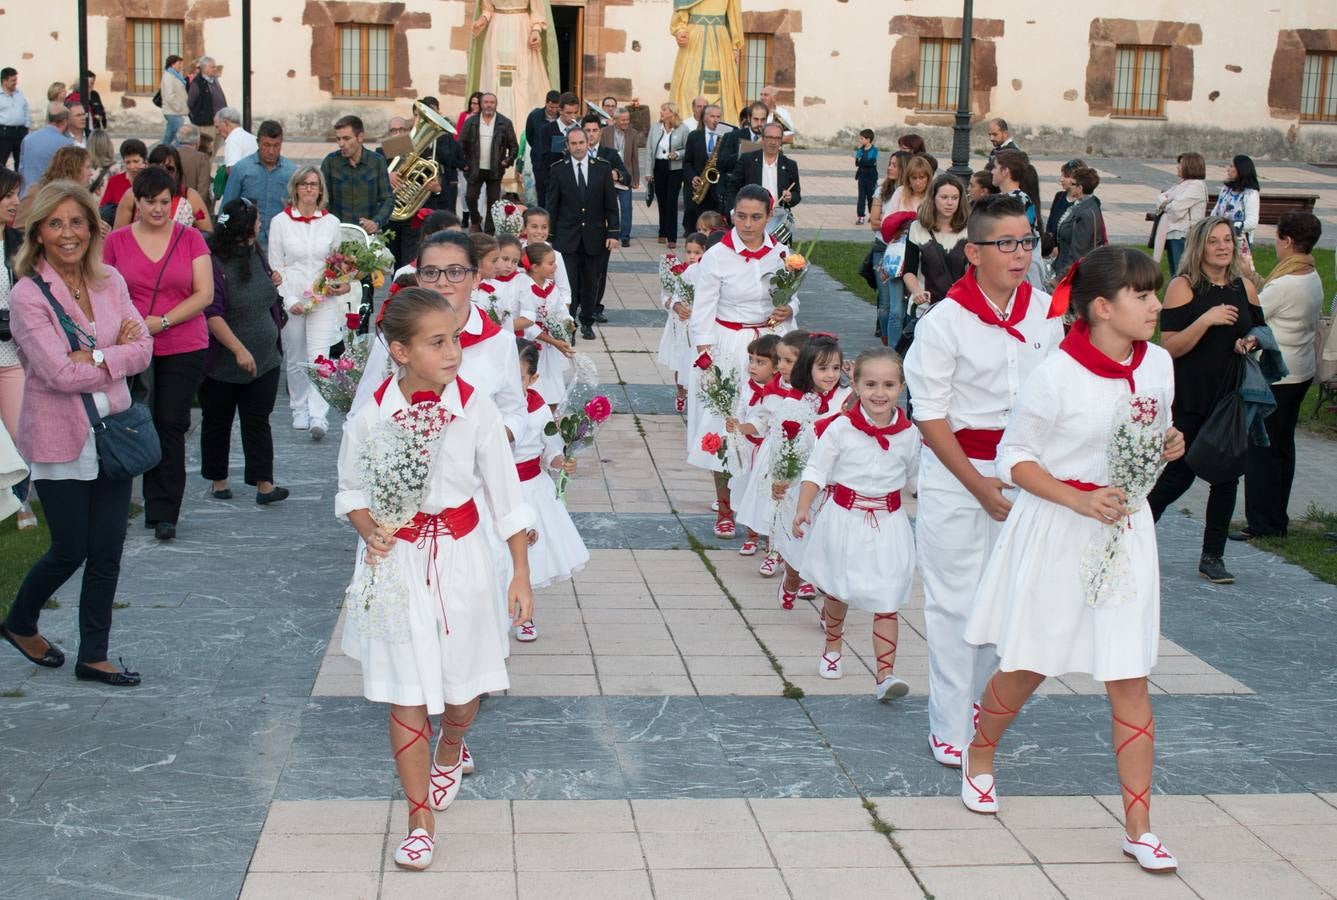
<point x="417" y="168"/>
<point x="710" y="174"/>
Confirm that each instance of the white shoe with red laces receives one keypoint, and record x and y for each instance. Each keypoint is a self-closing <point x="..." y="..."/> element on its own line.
<point x="787" y="598"/>
<point x="466" y="761"/>
<point x="416" y="851"/>
<point x="806" y="591"/>
<point x="526" y="632"/>
<point x="978" y="793"/>
<point x="831" y="666"/>
<point x="770" y="565"/>
<point x="445" y="784"/>
<point x="1150" y="854"/>
<point x="749" y="548"/>
<point x="944" y="752"/>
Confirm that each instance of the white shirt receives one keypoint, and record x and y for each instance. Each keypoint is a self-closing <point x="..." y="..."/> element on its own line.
<point x="582" y="169"/>
<point x="485" y="131"/>
<point x="770" y="176"/>
<point x="845" y="455"/>
<point x="239" y="145"/>
<point x="14" y="109"/>
<point x="733" y="289"/>
<point x="297" y="251"/>
<point x="473" y="454"/>
<point x="1292" y="305"/>
<point x="531" y="442"/>
<point x="786" y="118"/>
<point x="970" y="373"/>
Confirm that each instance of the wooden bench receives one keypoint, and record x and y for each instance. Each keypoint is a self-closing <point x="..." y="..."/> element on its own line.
<point x="1271" y="206"/>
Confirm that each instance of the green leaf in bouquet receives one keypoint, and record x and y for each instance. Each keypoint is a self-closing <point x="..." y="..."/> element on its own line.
<point x="550" y="429"/>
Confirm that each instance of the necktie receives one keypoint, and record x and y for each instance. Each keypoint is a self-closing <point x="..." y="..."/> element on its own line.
<point x="580" y="176"/>
<point x="710" y="143"/>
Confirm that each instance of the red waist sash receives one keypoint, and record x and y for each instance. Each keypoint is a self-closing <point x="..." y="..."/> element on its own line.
<point x="739" y="326"/>
<point x="848" y="498"/>
<point x="1085" y="487"/>
<point x="455" y="522"/>
<point x="980" y="443"/>
<point x="529" y="469"/>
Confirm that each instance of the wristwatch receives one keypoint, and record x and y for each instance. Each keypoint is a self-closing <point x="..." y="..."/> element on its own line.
<point x="165" y="323"/>
<point x="99" y="358"/>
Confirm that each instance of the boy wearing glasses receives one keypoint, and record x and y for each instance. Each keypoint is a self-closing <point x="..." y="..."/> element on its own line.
<point x="969" y="359"/>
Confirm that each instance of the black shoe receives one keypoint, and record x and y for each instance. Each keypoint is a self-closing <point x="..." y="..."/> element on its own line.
<point x="123" y="678"/>
<point x="274" y="496"/>
<point x="1211" y="568"/>
<point x="165" y="531"/>
<point x="601" y="318"/>
<point x="224" y="494"/>
<point x="587" y="332"/>
<point x="626" y="243"/>
<point x="52" y="659"/>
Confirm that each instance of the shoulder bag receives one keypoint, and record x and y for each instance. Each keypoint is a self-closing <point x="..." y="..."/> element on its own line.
<point x="127" y="443"/>
<point x="1220" y="450"/>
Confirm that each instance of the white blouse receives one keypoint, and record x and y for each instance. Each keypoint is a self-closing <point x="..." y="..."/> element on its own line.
<point x="531" y="442"/>
<point x="297" y="251"/>
<point x="733" y="289"/>
<point x="1292" y="305"/>
<point x="473" y="454"/>
<point x="845" y="455"/>
<point x="969" y="373"/>
<point x="9" y="351"/>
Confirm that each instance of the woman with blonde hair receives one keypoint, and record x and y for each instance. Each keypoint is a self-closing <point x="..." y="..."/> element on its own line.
<point x="65" y="294"/>
<point x="916" y="175"/>
<point x="1179" y="207"/>
<point x="668" y="138"/>
<point x="101" y="158"/>
<point x="300" y="238"/>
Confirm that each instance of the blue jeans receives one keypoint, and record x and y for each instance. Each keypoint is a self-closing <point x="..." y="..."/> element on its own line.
<point x="891" y="309"/>
<point x="624" y="199"/>
<point x="1174" y="251"/>
<point x="172" y="124"/>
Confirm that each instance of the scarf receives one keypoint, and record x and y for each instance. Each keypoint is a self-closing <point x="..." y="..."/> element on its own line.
<point x="749" y="255"/>
<point x="775" y="388"/>
<point x="298" y="217"/>
<point x="506" y="279"/>
<point x="758" y="391"/>
<point x="1078" y="345"/>
<point x="824" y="400"/>
<point x="966" y="291"/>
<point x="1297" y="263"/>
<point x="543" y="293"/>
<point x="899" y="422"/>
<point x="489" y="329"/>
<point x="534" y="400"/>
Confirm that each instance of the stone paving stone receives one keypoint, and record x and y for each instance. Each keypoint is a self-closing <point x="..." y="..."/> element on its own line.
<point x="1097" y="881"/>
<point x="318" y="853"/>
<point x="692" y="884"/>
<point x="852" y="884"/>
<point x="1270" y="809"/>
<point x="838" y="850"/>
<point x="549" y="852"/>
<point x="1227" y="880"/>
<point x="706" y="850"/>
<point x="1073" y="845"/>
<point x="623" y="885"/>
<point x="565" y="817"/>
<point x="1006" y="882"/>
<point x="397" y="885"/>
<point x="285" y="885"/>
<point x="926" y="849"/>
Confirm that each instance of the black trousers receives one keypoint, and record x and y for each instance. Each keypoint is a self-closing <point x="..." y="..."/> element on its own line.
<point x="11" y="137"/>
<point x="87" y="520"/>
<point x="220" y="402"/>
<point x="1178" y="478"/>
<point x="867" y="183"/>
<point x="668" y="186"/>
<point x="474" y="186"/>
<point x="1271" y="470"/>
<point x="175" y="380"/>
<point x="585" y="272"/>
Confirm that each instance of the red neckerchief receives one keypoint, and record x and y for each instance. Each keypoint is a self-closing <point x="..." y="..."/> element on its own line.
<point x="899" y="422"/>
<point x="490" y="328"/>
<point x="1078" y="345"/>
<point x="774" y="389"/>
<point x="758" y="391"/>
<point x="749" y="255"/>
<point x="486" y="288"/>
<point x="466" y="390"/>
<point x="967" y="292"/>
<point x="296" y="217"/>
<point x="824" y="400"/>
<point x="543" y="292"/>
<point x="505" y="279"/>
<point x="535" y="400"/>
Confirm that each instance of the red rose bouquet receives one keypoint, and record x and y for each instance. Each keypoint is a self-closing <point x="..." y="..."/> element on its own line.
<point x="578" y="429"/>
<point x="336" y="380"/>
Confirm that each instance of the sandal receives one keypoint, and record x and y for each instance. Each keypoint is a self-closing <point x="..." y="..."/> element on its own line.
<point x="724" y="525"/>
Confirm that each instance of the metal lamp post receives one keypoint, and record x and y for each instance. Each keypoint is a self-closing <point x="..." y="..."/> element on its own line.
<point x="961" y="130"/>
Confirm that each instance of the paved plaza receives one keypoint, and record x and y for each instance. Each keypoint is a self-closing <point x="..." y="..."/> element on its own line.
<point x="667" y="736"/>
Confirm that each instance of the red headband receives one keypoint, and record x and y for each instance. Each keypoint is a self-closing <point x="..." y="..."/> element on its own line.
<point x="1062" y="298"/>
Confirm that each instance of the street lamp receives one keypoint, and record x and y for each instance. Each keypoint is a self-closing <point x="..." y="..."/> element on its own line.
<point x="961" y="130"/>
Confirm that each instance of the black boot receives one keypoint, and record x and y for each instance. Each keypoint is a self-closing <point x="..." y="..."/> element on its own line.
<point x="1211" y="568"/>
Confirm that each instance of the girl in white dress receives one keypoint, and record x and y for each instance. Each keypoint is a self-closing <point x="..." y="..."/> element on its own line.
<point x="754" y="505"/>
<point x="544" y="295"/>
<point x="675" y="350"/>
<point x="507" y="282"/>
<point x="439" y="652"/>
<point x="817" y="373"/>
<point x="484" y="248"/>
<point x="556" y="551"/>
<point x="861" y="551"/>
<point x="537" y="225"/>
<point x="1038" y="601"/>
<point x="763" y="356"/>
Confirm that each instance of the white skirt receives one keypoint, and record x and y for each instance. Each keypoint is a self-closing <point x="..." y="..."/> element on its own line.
<point x="559" y="552"/>
<point x="1031" y="603"/>
<point x="752" y="505"/>
<point x="673" y="344"/>
<point x="552" y="378"/>
<point x="729" y="352"/>
<point x="870" y="568"/>
<point x="792" y="549"/>
<point x="453" y="654"/>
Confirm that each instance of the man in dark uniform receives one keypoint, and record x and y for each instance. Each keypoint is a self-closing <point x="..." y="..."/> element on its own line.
<point x="582" y="204"/>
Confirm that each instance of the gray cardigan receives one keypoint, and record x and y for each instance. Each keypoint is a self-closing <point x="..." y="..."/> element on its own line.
<point x="677" y="143"/>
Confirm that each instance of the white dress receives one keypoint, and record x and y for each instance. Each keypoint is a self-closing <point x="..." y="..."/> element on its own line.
<point x="754" y="413"/>
<point x="791" y="548"/>
<point x="674" y="346"/>
<point x="453" y="653"/>
<point x="1030" y="600"/>
<point x="861" y="557"/>
<point x="559" y="552"/>
<point x="732" y="289"/>
<point x="552" y="362"/>
<point x="754" y="508"/>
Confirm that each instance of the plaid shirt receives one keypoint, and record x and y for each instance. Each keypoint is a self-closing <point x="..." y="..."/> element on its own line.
<point x="361" y="191"/>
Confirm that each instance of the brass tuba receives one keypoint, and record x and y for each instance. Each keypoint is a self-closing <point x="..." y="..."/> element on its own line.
<point x="710" y="173"/>
<point x="418" y="169"/>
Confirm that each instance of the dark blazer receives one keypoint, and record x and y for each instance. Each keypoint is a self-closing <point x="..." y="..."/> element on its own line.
<point x="505" y="146"/>
<point x="534" y="123"/>
<point x="582" y="222"/>
<point x="614" y="159"/>
<point x="552" y="144"/>
<point x="631" y="150"/>
<point x="695" y="157"/>
<point x="748" y="171"/>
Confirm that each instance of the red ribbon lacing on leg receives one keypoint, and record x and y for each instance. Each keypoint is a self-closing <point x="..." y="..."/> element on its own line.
<point x="1146" y="731"/>
<point x="425" y="734"/>
<point x="887" y="657"/>
<point x="835" y="628"/>
<point x="1005" y="711"/>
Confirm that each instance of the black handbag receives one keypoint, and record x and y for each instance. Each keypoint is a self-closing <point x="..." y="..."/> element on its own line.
<point x="1155" y="226"/>
<point x="868" y="268"/>
<point x="127" y="443"/>
<point x="157" y="99"/>
<point x="1220" y="450"/>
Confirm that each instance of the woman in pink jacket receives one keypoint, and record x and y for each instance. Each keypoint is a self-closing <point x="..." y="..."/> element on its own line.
<point x="86" y="511"/>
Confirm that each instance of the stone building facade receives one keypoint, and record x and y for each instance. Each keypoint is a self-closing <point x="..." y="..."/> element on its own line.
<point x="1138" y="77"/>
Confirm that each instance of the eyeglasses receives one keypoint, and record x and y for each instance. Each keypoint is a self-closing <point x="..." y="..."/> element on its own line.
<point x="1010" y="245"/>
<point x="313" y="185"/>
<point x="454" y="274"/>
